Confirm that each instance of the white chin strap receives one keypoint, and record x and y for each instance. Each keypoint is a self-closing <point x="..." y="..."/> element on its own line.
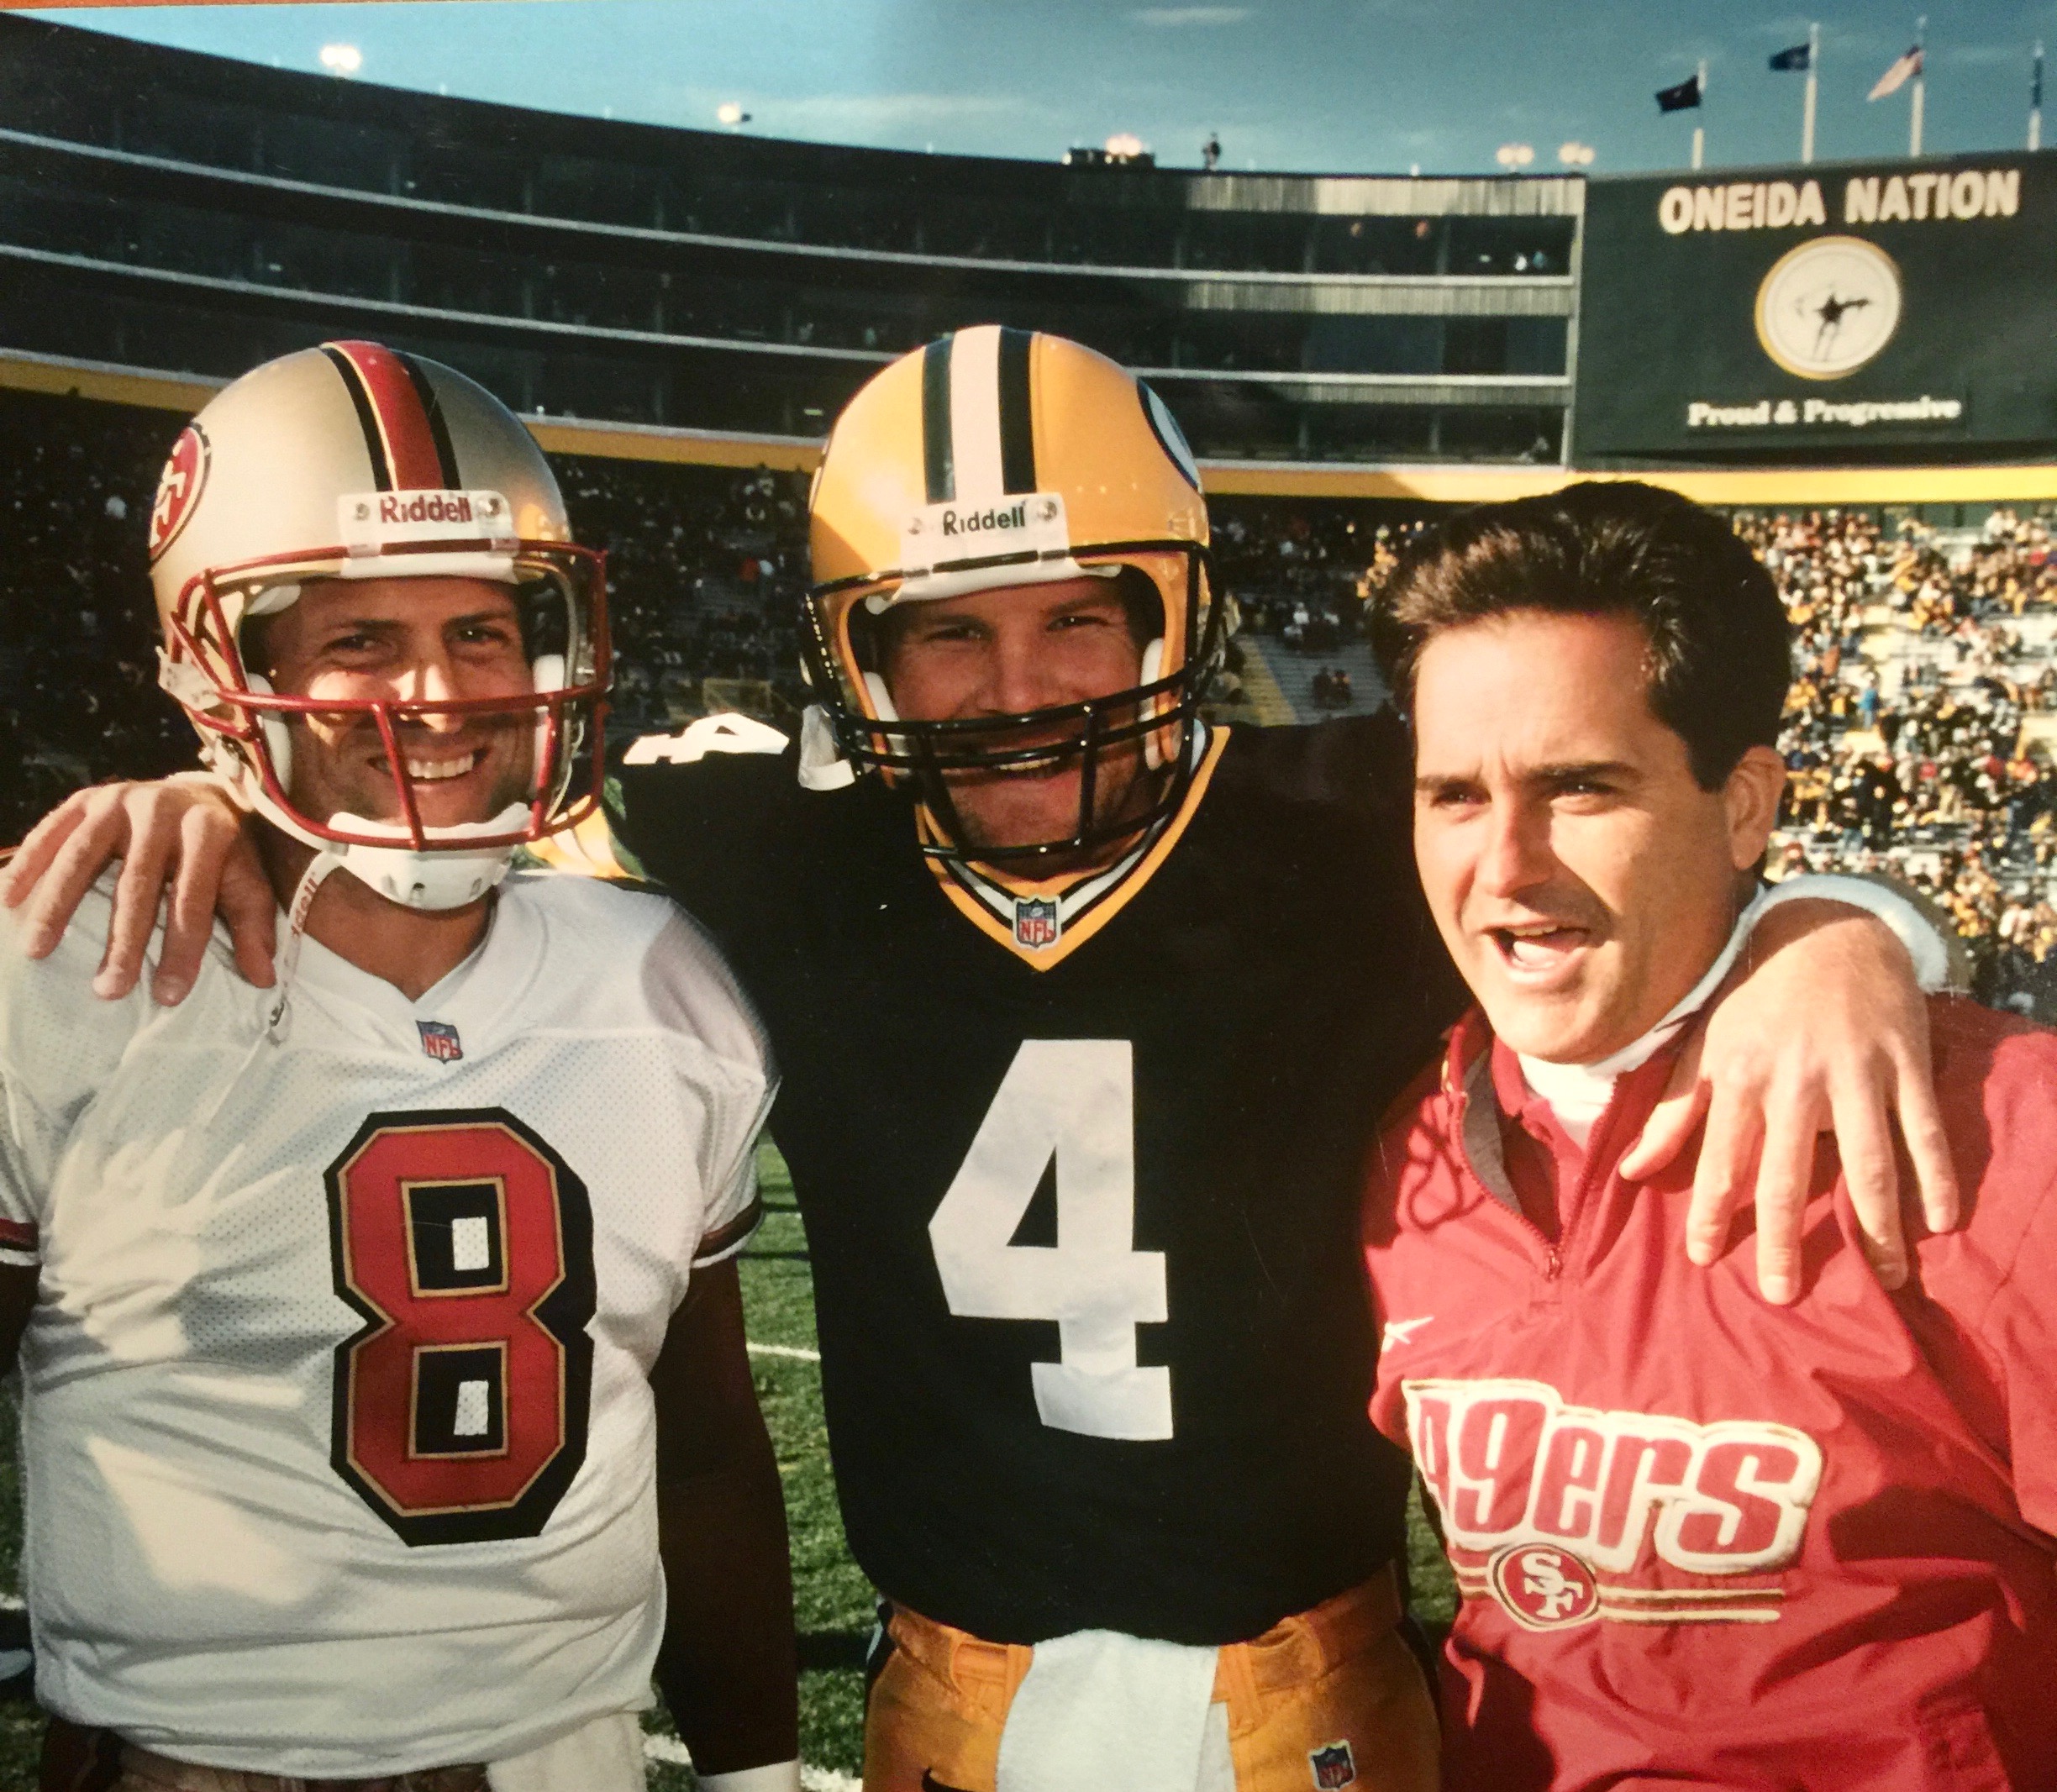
<point x="1151" y="671"/>
<point x="881" y="698"/>
<point x="277" y="736"/>
<point x="445" y="877"/>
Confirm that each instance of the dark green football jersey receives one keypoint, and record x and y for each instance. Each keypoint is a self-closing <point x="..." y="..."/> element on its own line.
<point x="1080" y="1173"/>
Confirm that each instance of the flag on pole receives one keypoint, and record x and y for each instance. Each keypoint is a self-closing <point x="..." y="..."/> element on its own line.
<point x="1898" y="76"/>
<point x="1799" y="58"/>
<point x="1682" y="99"/>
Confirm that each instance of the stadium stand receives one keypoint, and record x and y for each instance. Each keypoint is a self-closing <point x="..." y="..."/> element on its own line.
<point x="163" y="209"/>
<point x="1920" y="735"/>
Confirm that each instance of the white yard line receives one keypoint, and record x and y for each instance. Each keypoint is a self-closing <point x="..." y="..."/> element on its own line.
<point x="794" y="1351"/>
<point x="671" y="1750"/>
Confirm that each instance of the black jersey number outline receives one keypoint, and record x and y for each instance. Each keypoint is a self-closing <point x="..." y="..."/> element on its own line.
<point x="1073" y="1099"/>
<point x="466" y="1243"/>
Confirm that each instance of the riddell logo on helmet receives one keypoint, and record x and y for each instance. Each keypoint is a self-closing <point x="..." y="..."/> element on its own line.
<point x="383" y="521"/>
<point x="425" y="506"/>
<point x="940" y="537"/>
<point x="971" y="523"/>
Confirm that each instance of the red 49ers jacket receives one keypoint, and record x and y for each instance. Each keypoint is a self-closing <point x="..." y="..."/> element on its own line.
<point x="1705" y="1541"/>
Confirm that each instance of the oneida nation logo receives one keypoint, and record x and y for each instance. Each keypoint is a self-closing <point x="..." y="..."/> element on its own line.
<point x="1512" y="1466"/>
<point x="178" y="488"/>
<point x="1829" y="307"/>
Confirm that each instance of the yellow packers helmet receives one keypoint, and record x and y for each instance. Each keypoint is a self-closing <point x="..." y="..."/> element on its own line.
<point x="995" y="458"/>
<point x="353" y="461"/>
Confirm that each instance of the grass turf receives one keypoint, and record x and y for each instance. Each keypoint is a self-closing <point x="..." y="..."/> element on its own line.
<point x="832" y="1601"/>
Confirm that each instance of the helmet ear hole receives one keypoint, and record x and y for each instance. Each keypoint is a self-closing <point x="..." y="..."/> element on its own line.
<point x="278" y="738"/>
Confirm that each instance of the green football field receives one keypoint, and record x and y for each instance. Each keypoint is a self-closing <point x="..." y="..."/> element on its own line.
<point x="832" y="1599"/>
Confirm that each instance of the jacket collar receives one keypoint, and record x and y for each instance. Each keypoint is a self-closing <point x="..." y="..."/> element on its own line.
<point x="1473" y="1107"/>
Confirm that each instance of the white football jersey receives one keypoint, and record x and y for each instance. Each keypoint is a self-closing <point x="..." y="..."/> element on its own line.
<point x="336" y="1436"/>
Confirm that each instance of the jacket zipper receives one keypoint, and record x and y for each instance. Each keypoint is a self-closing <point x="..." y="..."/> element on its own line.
<point x="1553" y="1258"/>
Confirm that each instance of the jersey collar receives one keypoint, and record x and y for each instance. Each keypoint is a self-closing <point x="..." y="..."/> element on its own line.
<point x="1042" y="923"/>
<point x="469" y="1000"/>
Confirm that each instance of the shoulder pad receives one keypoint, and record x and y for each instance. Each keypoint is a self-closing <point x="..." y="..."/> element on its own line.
<point x="721" y="733"/>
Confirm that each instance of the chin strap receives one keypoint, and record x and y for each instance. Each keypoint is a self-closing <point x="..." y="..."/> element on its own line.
<point x="271" y="1015"/>
<point x="311" y="879"/>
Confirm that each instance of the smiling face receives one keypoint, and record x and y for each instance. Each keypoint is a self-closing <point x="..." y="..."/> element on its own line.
<point x="1581" y="878"/>
<point x="404" y="640"/>
<point x="1006" y="652"/>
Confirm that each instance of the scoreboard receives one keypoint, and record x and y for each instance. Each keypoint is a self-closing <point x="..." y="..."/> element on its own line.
<point x="1848" y="312"/>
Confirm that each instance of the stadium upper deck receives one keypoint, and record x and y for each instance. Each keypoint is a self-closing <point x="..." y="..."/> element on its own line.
<point x="166" y="210"/>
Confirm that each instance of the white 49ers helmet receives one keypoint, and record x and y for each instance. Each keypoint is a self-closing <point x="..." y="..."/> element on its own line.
<point x="353" y="461"/>
<point x="995" y="458"/>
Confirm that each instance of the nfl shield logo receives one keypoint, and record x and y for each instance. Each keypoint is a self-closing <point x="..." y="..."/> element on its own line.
<point x="1035" y="921"/>
<point x="1333" y="1766"/>
<point x="439" y="1041"/>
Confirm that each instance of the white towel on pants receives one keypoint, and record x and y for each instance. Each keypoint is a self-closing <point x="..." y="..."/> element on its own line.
<point x="1097" y="1709"/>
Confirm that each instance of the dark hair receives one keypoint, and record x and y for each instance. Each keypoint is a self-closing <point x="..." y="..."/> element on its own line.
<point x="1719" y="660"/>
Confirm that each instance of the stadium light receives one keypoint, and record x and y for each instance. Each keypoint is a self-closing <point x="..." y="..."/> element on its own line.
<point x="731" y="114"/>
<point x="341" y="58"/>
<point x="1576" y="155"/>
<point x="1514" y="154"/>
<point x="1124" y="146"/>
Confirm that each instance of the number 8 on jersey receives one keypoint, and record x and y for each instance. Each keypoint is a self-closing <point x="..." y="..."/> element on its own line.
<point x="466" y="1243"/>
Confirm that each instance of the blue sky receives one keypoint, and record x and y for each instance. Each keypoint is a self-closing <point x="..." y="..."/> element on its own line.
<point x="1335" y="85"/>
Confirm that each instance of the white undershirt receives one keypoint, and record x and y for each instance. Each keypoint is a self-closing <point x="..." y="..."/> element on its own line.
<point x="1578" y="1094"/>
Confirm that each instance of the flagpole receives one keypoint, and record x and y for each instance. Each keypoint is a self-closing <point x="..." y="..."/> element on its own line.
<point x="1921" y="79"/>
<point x="1700" y="130"/>
<point x="2035" y="100"/>
<point x="1807" y="116"/>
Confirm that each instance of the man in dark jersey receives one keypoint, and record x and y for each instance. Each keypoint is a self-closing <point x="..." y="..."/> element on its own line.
<point x="1086" y="1013"/>
<point x="1076" y="1160"/>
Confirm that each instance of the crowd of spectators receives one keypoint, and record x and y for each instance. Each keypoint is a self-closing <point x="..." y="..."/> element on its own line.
<point x="1919" y="734"/>
<point x="1919" y="731"/>
<point x="78" y="636"/>
<point x="1303" y="572"/>
<point x="705" y="570"/>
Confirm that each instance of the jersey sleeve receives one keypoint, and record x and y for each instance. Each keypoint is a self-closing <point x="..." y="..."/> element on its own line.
<point x="1371" y="759"/>
<point x="725" y="1068"/>
<point x="703" y="815"/>
<point x="59" y="1042"/>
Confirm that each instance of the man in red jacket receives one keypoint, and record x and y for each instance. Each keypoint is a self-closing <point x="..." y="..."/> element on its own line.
<point x="1699" y="1541"/>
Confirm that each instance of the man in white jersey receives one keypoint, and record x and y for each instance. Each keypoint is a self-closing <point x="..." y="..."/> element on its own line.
<point x="377" y="1332"/>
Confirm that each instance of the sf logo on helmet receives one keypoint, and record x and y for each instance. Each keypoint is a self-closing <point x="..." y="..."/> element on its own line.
<point x="1543" y="1588"/>
<point x="178" y="490"/>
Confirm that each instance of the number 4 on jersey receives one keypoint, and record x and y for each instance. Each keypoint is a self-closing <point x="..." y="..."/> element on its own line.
<point x="1073" y="1099"/>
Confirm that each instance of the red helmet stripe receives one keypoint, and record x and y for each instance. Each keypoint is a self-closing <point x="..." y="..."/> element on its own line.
<point x="399" y="432"/>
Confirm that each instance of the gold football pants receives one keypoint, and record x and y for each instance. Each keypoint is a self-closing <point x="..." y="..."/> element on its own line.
<point x="1333" y="1697"/>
